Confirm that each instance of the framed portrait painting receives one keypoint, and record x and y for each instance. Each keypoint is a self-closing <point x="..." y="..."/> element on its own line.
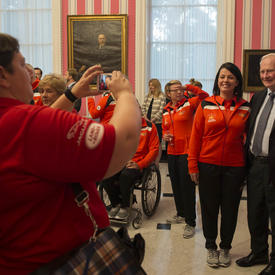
<point x="97" y="39"/>
<point x="251" y="69"/>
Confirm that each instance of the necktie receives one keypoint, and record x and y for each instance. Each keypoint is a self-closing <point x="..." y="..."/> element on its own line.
<point x="258" y="139"/>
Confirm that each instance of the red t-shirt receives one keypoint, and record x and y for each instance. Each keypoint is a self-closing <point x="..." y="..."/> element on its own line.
<point x="42" y="151"/>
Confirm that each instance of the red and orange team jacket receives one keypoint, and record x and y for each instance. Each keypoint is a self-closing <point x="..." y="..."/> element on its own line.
<point x="37" y="99"/>
<point x="178" y="120"/>
<point x="148" y="146"/>
<point x="36" y="95"/>
<point x="105" y="108"/>
<point x="218" y="133"/>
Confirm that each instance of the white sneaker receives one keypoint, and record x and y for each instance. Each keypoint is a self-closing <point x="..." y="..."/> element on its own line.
<point x="224" y="258"/>
<point x="189" y="231"/>
<point x="176" y="219"/>
<point x="114" y="210"/>
<point x="123" y="214"/>
<point x="212" y="258"/>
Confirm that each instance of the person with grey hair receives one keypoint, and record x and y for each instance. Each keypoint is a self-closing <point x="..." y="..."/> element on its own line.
<point x="260" y="190"/>
<point x="51" y="87"/>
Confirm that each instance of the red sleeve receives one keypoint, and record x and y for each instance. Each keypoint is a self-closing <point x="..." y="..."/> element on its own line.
<point x="196" y="141"/>
<point x="71" y="148"/>
<point x="97" y="111"/>
<point x="153" y="147"/>
<point x="200" y="95"/>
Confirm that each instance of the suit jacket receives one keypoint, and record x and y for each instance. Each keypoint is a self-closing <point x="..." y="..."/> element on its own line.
<point x="255" y="104"/>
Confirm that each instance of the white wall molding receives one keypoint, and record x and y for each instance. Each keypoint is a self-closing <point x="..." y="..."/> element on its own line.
<point x="225" y="32"/>
<point x="140" y="45"/>
<point x="266" y="24"/>
<point x="56" y="36"/>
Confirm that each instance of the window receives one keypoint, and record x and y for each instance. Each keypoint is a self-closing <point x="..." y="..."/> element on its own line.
<point x="30" y="21"/>
<point x="182" y="41"/>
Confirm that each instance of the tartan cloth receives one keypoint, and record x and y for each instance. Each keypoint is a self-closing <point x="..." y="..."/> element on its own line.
<point x="108" y="255"/>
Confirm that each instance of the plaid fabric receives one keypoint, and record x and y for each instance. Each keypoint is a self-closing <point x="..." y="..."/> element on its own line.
<point x="108" y="256"/>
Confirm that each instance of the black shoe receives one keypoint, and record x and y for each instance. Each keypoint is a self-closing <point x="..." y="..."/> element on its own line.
<point x="252" y="259"/>
<point x="269" y="270"/>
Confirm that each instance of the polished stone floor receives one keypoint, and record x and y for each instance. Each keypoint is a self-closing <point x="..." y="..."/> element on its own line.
<point x="167" y="252"/>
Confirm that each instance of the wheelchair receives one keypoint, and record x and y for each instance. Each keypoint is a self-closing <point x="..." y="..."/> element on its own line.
<point x="150" y="186"/>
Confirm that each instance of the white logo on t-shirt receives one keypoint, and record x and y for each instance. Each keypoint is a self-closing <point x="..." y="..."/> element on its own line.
<point x="94" y="135"/>
<point x="74" y="128"/>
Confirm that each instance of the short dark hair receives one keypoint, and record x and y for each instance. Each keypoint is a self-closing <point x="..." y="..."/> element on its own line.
<point x="37" y="68"/>
<point x="73" y="73"/>
<point x="238" y="92"/>
<point x="9" y="46"/>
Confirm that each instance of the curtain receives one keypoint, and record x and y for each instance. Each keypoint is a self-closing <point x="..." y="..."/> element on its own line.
<point x="30" y="21"/>
<point x="182" y="41"/>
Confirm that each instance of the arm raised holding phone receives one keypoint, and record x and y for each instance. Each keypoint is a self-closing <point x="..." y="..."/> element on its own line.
<point x="126" y="118"/>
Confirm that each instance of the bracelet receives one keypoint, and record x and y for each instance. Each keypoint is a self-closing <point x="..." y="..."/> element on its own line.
<point x="70" y="95"/>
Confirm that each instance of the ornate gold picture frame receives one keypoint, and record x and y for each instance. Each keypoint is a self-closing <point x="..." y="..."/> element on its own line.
<point x="97" y="39"/>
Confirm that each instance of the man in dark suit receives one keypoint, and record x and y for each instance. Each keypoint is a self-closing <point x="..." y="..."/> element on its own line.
<point x="71" y="77"/>
<point x="260" y="190"/>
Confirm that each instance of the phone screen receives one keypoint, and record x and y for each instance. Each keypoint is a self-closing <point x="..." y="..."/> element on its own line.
<point x="101" y="82"/>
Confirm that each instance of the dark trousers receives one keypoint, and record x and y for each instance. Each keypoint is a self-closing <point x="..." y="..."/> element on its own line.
<point x="260" y="206"/>
<point x="183" y="188"/>
<point x="118" y="187"/>
<point x="159" y="129"/>
<point x="220" y="188"/>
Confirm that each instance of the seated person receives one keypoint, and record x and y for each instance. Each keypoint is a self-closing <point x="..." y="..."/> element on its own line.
<point x="51" y="87"/>
<point x="147" y="152"/>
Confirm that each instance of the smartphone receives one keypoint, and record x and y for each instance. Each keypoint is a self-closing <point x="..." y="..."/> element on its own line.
<point x="101" y="82"/>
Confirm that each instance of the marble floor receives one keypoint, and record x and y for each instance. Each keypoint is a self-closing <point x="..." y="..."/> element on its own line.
<point x="167" y="252"/>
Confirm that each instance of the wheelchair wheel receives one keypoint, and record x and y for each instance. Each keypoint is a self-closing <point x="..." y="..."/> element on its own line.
<point x="137" y="221"/>
<point x="104" y="197"/>
<point x="151" y="190"/>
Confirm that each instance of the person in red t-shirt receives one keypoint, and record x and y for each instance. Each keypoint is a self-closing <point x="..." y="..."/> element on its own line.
<point x="216" y="160"/>
<point x="119" y="186"/>
<point x="39" y="219"/>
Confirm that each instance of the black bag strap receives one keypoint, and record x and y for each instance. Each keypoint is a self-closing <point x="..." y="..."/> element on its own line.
<point x="81" y="199"/>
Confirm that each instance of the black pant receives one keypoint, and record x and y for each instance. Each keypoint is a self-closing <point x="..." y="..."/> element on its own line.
<point x="183" y="188"/>
<point x="260" y="206"/>
<point x="159" y="129"/>
<point x="220" y="187"/>
<point x="118" y="187"/>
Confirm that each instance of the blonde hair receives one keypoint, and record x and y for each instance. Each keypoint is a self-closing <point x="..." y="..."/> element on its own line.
<point x="195" y="83"/>
<point x="155" y="82"/>
<point x="55" y="81"/>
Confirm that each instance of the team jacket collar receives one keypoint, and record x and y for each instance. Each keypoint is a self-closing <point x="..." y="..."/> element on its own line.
<point x="170" y="107"/>
<point x="220" y="101"/>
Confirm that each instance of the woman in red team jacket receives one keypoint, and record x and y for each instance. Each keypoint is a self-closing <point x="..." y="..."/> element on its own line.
<point x="216" y="160"/>
<point x="177" y="122"/>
